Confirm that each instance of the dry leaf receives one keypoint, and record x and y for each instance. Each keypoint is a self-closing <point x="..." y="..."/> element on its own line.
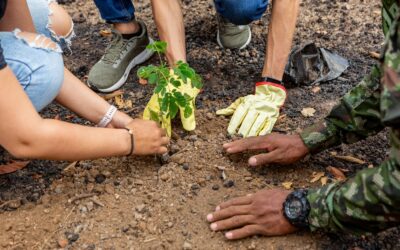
<point x="142" y="81"/>
<point x="308" y="112"/>
<point x="375" y="55"/>
<point x="324" y="180"/>
<point x="287" y="185"/>
<point x="336" y="173"/>
<point x="316" y="89"/>
<point x="105" y="33"/>
<point x="349" y="158"/>
<point x="128" y="104"/>
<point x="13" y="166"/>
<point x="317" y="176"/>
<point x="119" y="101"/>
<point x="113" y="94"/>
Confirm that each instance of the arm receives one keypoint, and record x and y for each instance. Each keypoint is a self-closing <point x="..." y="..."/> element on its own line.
<point x="169" y="21"/>
<point x="356" y="117"/>
<point x="280" y="37"/>
<point x="77" y="97"/>
<point x="17" y="15"/>
<point x="25" y="134"/>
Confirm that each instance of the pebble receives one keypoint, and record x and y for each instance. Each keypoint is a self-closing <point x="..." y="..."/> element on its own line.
<point x="170" y="224"/>
<point x="193" y="138"/>
<point x="14" y="204"/>
<point x="106" y="173"/>
<point x="78" y="18"/>
<point x="164" y="177"/>
<point x="89" y="206"/>
<point x="209" y="116"/>
<point x="100" y="178"/>
<point x="187" y="246"/>
<point x="215" y="187"/>
<point x="109" y="189"/>
<point x="229" y="183"/>
<point x="62" y="242"/>
<point x="174" y="149"/>
<point x="72" y="237"/>
<point x="90" y="187"/>
<point x="177" y="158"/>
<point x="248" y="178"/>
<point x="185" y="166"/>
<point x="140" y="208"/>
<point x="195" y="186"/>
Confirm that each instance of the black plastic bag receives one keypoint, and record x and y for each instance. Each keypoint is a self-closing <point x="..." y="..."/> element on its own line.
<point x="309" y="65"/>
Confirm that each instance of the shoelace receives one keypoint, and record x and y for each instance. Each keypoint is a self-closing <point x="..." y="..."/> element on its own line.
<point x="114" y="50"/>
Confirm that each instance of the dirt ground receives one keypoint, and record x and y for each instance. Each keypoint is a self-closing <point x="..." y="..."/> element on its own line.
<point x="148" y="203"/>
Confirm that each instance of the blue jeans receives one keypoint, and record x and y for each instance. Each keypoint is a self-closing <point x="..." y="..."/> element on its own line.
<point x="239" y="12"/>
<point x="39" y="69"/>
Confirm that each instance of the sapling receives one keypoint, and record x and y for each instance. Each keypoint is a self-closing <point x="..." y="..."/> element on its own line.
<point x="170" y="85"/>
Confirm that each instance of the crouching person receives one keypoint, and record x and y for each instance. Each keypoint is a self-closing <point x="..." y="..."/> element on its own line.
<point x="32" y="75"/>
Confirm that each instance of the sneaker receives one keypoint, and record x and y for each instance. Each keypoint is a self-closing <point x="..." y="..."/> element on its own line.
<point x="112" y="71"/>
<point x="232" y="36"/>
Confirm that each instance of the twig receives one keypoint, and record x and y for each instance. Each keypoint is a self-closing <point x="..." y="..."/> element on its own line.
<point x="80" y="197"/>
<point x="97" y="202"/>
<point x="113" y="94"/>
<point x="6" y="203"/>
<point x="149" y="240"/>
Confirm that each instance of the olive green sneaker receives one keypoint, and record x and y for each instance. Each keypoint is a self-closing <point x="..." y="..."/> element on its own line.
<point x="112" y="71"/>
<point x="232" y="36"/>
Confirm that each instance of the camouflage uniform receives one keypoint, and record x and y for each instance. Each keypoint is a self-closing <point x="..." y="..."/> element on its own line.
<point x="370" y="201"/>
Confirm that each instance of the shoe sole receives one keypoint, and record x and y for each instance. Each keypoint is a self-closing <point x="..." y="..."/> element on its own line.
<point x="139" y="59"/>
<point x="244" y="46"/>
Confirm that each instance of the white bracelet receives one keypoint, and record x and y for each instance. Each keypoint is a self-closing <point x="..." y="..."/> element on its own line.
<point x="107" y="118"/>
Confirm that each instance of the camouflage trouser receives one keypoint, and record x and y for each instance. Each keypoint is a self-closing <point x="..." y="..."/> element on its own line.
<point x="371" y="200"/>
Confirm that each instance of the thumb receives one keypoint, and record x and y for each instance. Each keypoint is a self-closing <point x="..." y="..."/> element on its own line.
<point x="231" y="109"/>
<point x="262" y="159"/>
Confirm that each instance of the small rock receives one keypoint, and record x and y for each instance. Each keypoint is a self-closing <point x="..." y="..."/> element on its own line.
<point x="229" y="183"/>
<point x="164" y="158"/>
<point x="100" y="178"/>
<point x="14" y="204"/>
<point x="174" y="149"/>
<point x="138" y="182"/>
<point x="187" y="246"/>
<point x="193" y="138"/>
<point x="185" y="166"/>
<point x="140" y="208"/>
<point x="209" y="116"/>
<point x="89" y="206"/>
<point x="170" y="224"/>
<point x="164" y="177"/>
<point x="177" y="158"/>
<point x="78" y="18"/>
<point x="109" y="189"/>
<point x="248" y="178"/>
<point x="62" y="242"/>
<point x="215" y="187"/>
<point x="195" y="186"/>
<point x="106" y="173"/>
<point x="72" y="237"/>
<point x="90" y="187"/>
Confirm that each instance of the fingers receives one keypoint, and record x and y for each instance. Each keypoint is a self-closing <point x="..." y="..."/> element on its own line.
<point x="244" y="232"/>
<point x="263" y="159"/>
<point x="233" y="222"/>
<point x="251" y="143"/>
<point x="244" y="200"/>
<point x="237" y="118"/>
<point x="228" y="212"/>
<point x="162" y="150"/>
<point x="248" y="122"/>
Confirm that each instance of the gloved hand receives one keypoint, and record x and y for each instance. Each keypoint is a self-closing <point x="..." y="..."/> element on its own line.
<point x="256" y="114"/>
<point x="153" y="107"/>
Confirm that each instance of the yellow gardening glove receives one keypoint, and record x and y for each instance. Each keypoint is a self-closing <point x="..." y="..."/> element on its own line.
<point x="256" y="114"/>
<point x="189" y="123"/>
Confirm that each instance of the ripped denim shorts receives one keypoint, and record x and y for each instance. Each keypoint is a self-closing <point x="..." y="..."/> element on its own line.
<point x="38" y="67"/>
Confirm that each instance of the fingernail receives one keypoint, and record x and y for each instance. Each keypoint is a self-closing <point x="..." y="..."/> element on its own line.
<point x="214" y="226"/>
<point x="253" y="161"/>
<point x="229" y="235"/>
<point x="209" y="217"/>
<point x="217" y="208"/>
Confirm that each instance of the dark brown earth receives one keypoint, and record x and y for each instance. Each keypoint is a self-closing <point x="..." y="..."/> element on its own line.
<point x="148" y="204"/>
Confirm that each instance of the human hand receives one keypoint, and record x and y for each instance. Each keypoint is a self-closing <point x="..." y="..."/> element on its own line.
<point x="256" y="214"/>
<point x="256" y="114"/>
<point x="281" y="149"/>
<point x="149" y="138"/>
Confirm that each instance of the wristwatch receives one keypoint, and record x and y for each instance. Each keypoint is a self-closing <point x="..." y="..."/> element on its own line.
<point x="296" y="208"/>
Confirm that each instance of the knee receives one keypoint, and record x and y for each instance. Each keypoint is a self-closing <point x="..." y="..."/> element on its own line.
<point x="60" y="21"/>
<point x="241" y="12"/>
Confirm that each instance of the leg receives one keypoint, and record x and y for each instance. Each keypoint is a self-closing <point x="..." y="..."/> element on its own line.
<point x="241" y="12"/>
<point x="121" y="13"/>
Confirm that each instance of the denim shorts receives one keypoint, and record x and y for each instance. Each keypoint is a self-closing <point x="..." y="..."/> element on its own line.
<point x="39" y="69"/>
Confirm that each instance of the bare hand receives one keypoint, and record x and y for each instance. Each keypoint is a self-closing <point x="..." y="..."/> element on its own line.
<point x="149" y="137"/>
<point x="282" y="149"/>
<point x="257" y="214"/>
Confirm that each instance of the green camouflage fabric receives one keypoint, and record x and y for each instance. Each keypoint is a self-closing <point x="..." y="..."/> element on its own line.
<point x="370" y="201"/>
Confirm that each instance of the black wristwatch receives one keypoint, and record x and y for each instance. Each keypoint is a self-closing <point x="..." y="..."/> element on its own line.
<point x="296" y="208"/>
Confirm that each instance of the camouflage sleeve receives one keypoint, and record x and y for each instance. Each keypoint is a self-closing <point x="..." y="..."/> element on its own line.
<point x="356" y="117"/>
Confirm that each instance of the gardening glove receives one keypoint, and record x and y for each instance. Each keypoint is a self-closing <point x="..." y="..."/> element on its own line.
<point x="256" y="114"/>
<point x="188" y="123"/>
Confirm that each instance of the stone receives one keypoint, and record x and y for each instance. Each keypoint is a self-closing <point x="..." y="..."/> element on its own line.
<point x="100" y="178"/>
<point x="187" y="246"/>
<point x="140" y="208"/>
<point x="229" y="183"/>
<point x="14" y="204"/>
<point x="164" y="177"/>
<point x="185" y="166"/>
<point x="72" y="237"/>
<point x="90" y="187"/>
<point x="209" y="116"/>
<point x="215" y="187"/>
<point x="62" y="242"/>
<point x="195" y="186"/>
<point x="109" y="189"/>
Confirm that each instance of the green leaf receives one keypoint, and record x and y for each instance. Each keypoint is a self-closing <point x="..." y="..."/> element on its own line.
<point x="176" y="83"/>
<point x="159" y="89"/>
<point x="154" y="116"/>
<point x="173" y="109"/>
<point x="165" y="102"/>
<point x="180" y="99"/>
<point x="153" y="77"/>
<point x="158" y="46"/>
<point x="188" y="111"/>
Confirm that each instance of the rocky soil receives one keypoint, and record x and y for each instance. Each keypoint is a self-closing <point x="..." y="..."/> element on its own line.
<point x="153" y="203"/>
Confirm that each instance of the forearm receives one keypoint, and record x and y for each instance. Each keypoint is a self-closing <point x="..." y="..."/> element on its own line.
<point x="169" y="21"/>
<point x="356" y="117"/>
<point x="280" y="37"/>
<point x="369" y="202"/>
<point x="77" y="97"/>
<point x="17" y="15"/>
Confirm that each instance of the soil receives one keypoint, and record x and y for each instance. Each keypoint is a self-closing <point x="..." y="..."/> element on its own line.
<point x="148" y="203"/>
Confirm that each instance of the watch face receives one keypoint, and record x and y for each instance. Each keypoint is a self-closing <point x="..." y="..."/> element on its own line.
<point x="294" y="208"/>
